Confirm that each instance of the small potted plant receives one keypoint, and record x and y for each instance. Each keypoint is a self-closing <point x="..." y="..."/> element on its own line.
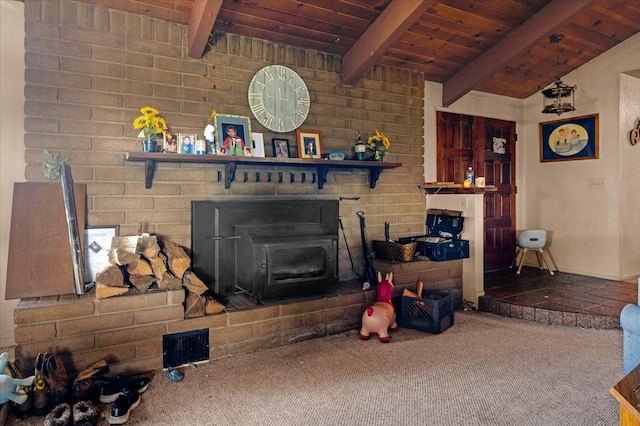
<point x="150" y="123"/>
<point x="379" y="143"/>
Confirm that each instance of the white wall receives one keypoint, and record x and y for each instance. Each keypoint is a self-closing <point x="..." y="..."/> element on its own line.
<point x="593" y="232"/>
<point x="629" y="184"/>
<point x="588" y="224"/>
<point x="12" y="162"/>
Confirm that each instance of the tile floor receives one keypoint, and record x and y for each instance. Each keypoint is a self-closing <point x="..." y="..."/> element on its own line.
<point x="567" y="299"/>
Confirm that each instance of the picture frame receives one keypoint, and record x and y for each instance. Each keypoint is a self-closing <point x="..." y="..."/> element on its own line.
<point x="280" y="147"/>
<point x="227" y="143"/>
<point x="309" y="143"/>
<point x="187" y="143"/>
<point x="568" y="139"/>
<point x="96" y="249"/>
<point x="170" y="142"/>
<point x="258" y="144"/>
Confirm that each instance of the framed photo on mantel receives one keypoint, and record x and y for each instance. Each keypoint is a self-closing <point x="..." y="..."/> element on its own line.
<point x="280" y="147"/>
<point x="309" y="143"/>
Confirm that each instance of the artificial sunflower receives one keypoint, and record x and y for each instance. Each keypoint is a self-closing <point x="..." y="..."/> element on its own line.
<point x="150" y="123"/>
<point x="379" y="143"/>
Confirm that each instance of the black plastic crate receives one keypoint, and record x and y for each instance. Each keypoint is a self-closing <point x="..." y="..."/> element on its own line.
<point x="433" y="312"/>
<point x="448" y="250"/>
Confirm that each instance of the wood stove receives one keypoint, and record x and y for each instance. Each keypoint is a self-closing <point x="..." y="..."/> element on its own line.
<point x="265" y="248"/>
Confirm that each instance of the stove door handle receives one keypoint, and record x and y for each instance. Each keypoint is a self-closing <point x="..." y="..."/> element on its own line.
<point x="233" y="237"/>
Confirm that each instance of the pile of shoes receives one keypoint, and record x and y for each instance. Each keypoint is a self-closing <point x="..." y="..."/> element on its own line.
<point x="62" y="404"/>
<point x="124" y="392"/>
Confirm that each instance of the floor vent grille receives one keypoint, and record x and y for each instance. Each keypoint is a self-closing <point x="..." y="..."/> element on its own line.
<point x="184" y="348"/>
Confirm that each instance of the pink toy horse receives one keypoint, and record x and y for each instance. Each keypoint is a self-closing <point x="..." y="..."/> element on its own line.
<point x="380" y="317"/>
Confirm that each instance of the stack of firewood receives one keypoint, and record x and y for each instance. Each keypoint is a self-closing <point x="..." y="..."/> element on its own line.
<point x="140" y="262"/>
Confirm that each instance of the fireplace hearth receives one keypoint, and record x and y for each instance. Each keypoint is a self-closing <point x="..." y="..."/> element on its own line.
<point x="265" y="248"/>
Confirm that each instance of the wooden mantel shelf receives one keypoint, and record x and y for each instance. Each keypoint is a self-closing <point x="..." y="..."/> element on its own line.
<point x="434" y="188"/>
<point x="322" y="167"/>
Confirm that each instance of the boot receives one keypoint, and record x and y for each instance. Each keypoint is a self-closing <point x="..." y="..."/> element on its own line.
<point x="23" y="410"/>
<point x="55" y="374"/>
<point x="40" y="389"/>
<point x="84" y="387"/>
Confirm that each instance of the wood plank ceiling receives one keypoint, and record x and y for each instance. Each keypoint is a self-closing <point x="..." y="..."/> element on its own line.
<point x="494" y="46"/>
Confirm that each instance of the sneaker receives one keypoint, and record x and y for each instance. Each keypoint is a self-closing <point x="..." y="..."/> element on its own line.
<point x="125" y="403"/>
<point x="111" y="389"/>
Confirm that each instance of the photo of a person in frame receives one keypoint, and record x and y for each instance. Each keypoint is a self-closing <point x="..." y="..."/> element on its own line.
<point x="233" y="143"/>
<point x="309" y="146"/>
<point x="281" y="150"/>
<point x="187" y="145"/>
<point x="170" y="142"/>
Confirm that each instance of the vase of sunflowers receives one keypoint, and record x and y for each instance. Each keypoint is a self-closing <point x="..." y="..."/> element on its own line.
<point x="150" y="123"/>
<point x="379" y="143"/>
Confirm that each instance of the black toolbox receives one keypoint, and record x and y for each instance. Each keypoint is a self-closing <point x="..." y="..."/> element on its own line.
<point x="443" y="239"/>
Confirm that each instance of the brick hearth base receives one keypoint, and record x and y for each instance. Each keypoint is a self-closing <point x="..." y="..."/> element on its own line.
<point x="127" y="330"/>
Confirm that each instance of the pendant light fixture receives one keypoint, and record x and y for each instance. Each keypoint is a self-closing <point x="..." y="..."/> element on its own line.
<point x="558" y="98"/>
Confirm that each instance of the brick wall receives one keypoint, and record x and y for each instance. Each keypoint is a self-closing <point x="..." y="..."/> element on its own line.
<point x="89" y="69"/>
<point x="127" y="330"/>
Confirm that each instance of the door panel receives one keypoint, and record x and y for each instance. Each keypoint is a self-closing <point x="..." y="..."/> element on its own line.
<point x="455" y="146"/>
<point x="465" y="141"/>
<point x="499" y="225"/>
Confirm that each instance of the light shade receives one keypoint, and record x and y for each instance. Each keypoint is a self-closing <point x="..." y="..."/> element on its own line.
<point x="558" y="98"/>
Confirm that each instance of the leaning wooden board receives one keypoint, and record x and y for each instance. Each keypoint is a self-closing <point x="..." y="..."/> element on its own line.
<point x="39" y="262"/>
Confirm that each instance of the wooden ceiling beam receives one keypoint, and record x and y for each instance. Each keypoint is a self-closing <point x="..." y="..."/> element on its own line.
<point x="392" y="23"/>
<point x="203" y="16"/>
<point x="543" y="24"/>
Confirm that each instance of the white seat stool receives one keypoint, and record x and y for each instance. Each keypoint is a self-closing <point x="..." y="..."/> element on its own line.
<point x="535" y="240"/>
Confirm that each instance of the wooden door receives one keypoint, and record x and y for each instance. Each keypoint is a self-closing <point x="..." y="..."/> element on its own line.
<point x="464" y="141"/>
<point x="455" y="146"/>
<point x="499" y="206"/>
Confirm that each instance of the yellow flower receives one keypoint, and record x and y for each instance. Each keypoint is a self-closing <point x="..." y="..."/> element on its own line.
<point x="213" y="115"/>
<point x="150" y="122"/>
<point x="378" y="142"/>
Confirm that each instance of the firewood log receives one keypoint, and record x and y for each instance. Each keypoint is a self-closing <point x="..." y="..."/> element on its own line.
<point x="212" y="306"/>
<point x="126" y="243"/>
<point x="103" y="291"/>
<point x="111" y="276"/>
<point x="149" y="245"/>
<point x="177" y="258"/>
<point x="118" y="256"/>
<point x="193" y="283"/>
<point x="142" y="282"/>
<point x="194" y="305"/>
<point x="158" y="266"/>
<point x="139" y="267"/>
<point x="169" y="282"/>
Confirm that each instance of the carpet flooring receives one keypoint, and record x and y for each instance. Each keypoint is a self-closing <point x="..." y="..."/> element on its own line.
<point x="484" y="370"/>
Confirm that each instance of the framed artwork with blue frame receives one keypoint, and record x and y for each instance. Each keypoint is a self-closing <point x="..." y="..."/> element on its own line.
<point x="573" y="138"/>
